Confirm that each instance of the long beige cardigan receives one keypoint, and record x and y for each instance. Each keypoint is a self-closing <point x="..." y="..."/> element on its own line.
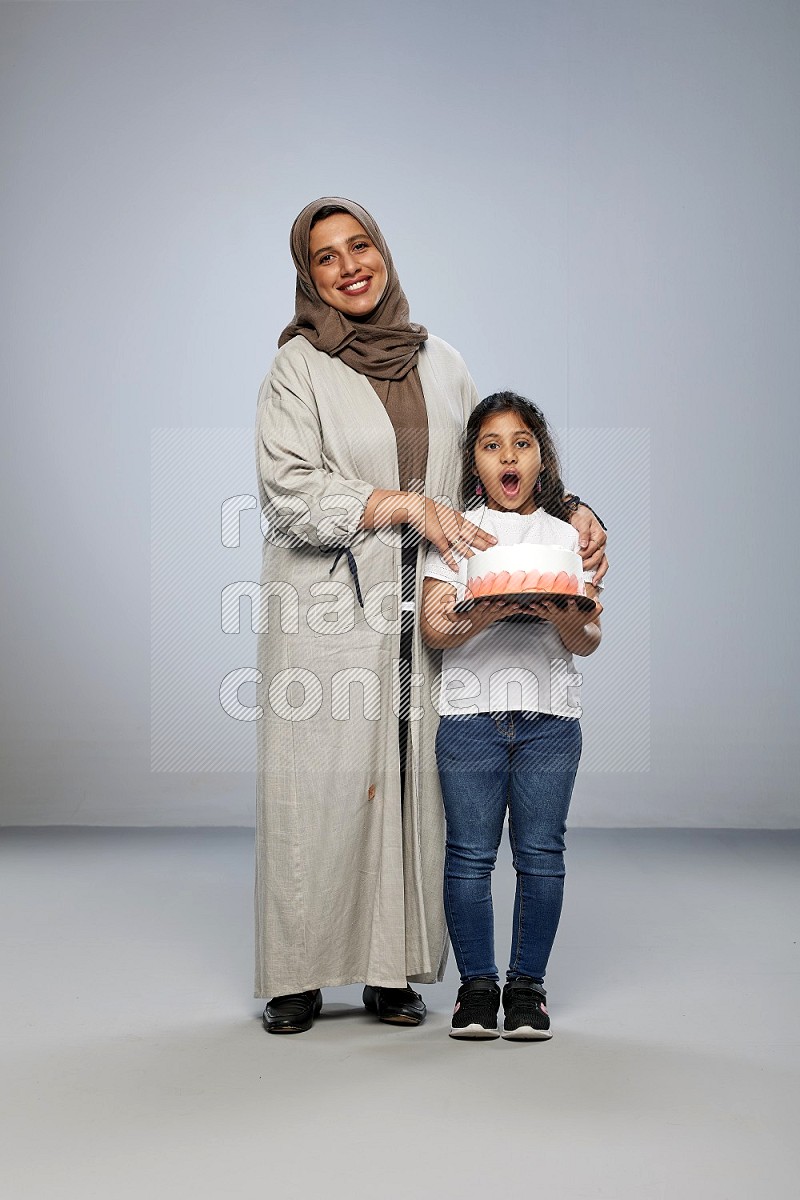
<point x="348" y="885"/>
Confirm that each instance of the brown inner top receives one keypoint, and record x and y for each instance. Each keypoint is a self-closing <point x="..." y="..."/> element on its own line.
<point x="404" y="402"/>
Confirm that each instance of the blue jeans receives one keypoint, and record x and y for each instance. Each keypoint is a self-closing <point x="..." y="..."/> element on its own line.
<point x="488" y="762"/>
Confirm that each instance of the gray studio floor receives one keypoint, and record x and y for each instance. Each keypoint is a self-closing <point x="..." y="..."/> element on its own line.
<point x="135" y="1062"/>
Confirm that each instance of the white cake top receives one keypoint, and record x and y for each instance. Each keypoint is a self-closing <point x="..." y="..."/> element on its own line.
<point x="525" y="556"/>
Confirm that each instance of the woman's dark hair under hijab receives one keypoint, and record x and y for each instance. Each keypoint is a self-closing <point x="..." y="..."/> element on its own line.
<point x="327" y="210"/>
<point x="551" y="496"/>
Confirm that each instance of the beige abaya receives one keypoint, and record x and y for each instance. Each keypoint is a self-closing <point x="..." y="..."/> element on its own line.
<point x="348" y="882"/>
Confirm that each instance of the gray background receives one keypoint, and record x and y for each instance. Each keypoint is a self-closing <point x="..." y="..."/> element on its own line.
<point x="596" y="203"/>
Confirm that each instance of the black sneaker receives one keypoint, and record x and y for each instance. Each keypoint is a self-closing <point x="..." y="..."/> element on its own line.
<point x="526" y="1018"/>
<point x="475" y="1013"/>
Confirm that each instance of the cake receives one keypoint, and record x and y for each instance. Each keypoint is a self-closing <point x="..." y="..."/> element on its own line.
<point x="525" y="567"/>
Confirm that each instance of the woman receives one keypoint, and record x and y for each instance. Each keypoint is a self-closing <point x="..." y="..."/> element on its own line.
<point x="357" y="431"/>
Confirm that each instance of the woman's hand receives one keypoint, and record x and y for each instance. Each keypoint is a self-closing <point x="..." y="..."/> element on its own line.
<point x="592" y="541"/>
<point x="447" y="529"/>
<point x="438" y="523"/>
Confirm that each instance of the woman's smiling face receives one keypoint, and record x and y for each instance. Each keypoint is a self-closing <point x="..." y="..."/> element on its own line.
<point x="508" y="461"/>
<point x="346" y="266"/>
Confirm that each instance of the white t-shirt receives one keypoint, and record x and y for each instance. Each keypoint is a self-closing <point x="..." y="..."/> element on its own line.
<point x="511" y="666"/>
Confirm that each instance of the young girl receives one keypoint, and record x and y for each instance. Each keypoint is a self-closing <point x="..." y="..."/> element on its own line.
<point x="509" y="735"/>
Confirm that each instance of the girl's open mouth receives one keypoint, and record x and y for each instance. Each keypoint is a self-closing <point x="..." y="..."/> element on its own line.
<point x="509" y="482"/>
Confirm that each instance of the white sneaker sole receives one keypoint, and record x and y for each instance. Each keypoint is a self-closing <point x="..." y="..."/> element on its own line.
<point x="526" y="1033"/>
<point x="474" y="1031"/>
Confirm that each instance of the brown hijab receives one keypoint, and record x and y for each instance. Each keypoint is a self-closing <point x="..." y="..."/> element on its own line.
<point x="384" y="346"/>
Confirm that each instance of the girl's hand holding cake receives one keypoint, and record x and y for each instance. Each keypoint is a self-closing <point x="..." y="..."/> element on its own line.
<point x="443" y="627"/>
<point x="579" y="635"/>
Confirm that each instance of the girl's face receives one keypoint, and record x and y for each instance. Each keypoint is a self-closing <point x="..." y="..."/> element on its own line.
<point x="346" y="266"/>
<point x="507" y="461"/>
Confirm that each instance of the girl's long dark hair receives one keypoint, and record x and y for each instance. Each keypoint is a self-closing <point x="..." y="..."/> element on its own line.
<point x="551" y="496"/>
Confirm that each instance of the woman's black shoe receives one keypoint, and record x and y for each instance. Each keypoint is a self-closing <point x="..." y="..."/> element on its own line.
<point x="292" y="1014"/>
<point x="395" y="1006"/>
